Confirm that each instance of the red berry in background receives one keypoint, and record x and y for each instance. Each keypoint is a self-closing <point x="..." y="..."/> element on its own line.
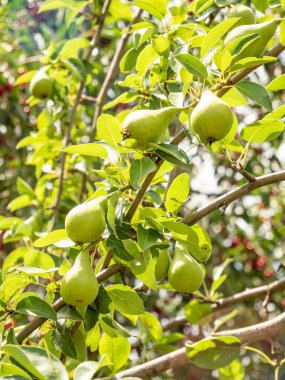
<point x="9" y="87"/>
<point x="2" y="91"/>
<point x="261" y="262"/>
<point x="21" y="70"/>
<point x="283" y="302"/>
<point x="268" y="273"/>
<point x="249" y="246"/>
<point x="236" y="240"/>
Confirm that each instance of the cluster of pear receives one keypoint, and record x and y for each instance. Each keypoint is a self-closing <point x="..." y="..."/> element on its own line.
<point x="185" y="273"/>
<point x="41" y="85"/>
<point x="246" y="26"/>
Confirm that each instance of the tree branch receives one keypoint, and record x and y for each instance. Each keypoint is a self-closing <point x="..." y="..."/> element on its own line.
<point x="233" y="195"/>
<point x="37" y="322"/>
<point x="177" y="358"/>
<point x="222" y="303"/>
<point x="112" y="71"/>
<point x="93" y="44"/>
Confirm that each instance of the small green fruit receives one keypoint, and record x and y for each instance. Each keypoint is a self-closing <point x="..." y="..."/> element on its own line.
<point x="148" y="126"/>
<point x="246" y="14"/>
<point x="41" y="85"/>
<point x="162" y="265"/>
<point x="185" y="274"/>
<point x="79" y="286"/>
<point x="86" y="222"/>
<point x="212" y="118"/>
<point x="264" y="31"/>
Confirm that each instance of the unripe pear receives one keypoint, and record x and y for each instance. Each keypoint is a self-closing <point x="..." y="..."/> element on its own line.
<point x="212" y="118"/>
<point x="264" y="31"/>
<point x="185" y="274"/>
<point x="246" y="14"/>
<point x="148" y="126"/>
<point x="86" y="222"/>
<point x="41" y="85"/>
<point x="162" y="265"/>
<point x="79" y="286"/>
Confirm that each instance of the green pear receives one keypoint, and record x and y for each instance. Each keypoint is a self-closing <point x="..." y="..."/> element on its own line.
<point x="162" y="265"/>
<point x="264" y="31"/>
<point x="148" y="126"/>
<point x="41" y="85"/>
<point x="79" y="286"/>
<point x="86" y="222"/>
<point x="246" y="14"/>
<point x="185" y="274"/>
<point x="212" y="118"/>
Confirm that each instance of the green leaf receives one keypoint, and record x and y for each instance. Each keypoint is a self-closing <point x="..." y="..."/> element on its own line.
<point x="157" y="9"/>
<point x="85" y="370"/>
<point x="144" y="269"/>
<point x="234" y="98"/>
<point x="150" y="328"/>
<point x="278" y="113"/>
<point x="72" y="47"/>
<point x="67" y="312"/>
<point x="24" y="188"/>
<point x="62" y="339"/>
<point x="109" y="129"/>
<point x="7" y="369"/>
<point x="213" y="38"/>
<point x="49" y="5"/>
<point x="139" y="170"/>
<point x="277" y="84"/>
<point x="147" y="237"/>
<point x="125" y="299"/>
<point x="177" y="193"/>
<point x="197" y="311"/>
<point x="234" y="371"/>
<point x="145" y="59"/>
<point x="263" y="130"/>
<point x="93" y="338"/>
<point x="7" y="223"/>
<point x="26" y="78"/>
<point x="282" y="29"/>
<point x="214" y="353"/>
<point x="173" y="154"/>
<point x="250" y="62"/>
<point x="255" y="92"/>
<point x="91" y="149"/>
<point x="118" y="248"/>
<point x="20" y="202"/>
<point x="41" y="364"/>
<point x="193" y="65"/>
<point x="50" y="238"/>
<point x="35" y="306"/>
<point x="195" y="238"/>
<point x="125" y="98"/>
<point x="116" y="349"/>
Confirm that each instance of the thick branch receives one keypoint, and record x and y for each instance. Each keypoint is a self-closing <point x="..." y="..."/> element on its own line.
<point x="246" y="295"/>
<point x="37" y="322"/>
<point x="233" y="195"/>
<point x="93" y="44"/>
<point x="178" y="358"/>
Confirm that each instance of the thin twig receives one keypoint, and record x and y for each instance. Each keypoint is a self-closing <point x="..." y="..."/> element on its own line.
<point x="93" y="44"/>
<point x="222" y="303"/>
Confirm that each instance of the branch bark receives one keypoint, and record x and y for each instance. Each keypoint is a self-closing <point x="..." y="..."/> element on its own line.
<point x="226" y="199"/>
<point x="254" y="333"/>
<point x="222" y="303"/>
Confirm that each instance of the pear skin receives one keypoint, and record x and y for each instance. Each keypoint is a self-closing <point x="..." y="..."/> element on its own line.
<point x="264" y="31"/>
<point x="212" y="118"/>
<point x="86" y="222"/>
<point x="79" y="286"/>
<point x="246" y="14"/>
<point x="148" y="126"/>
<point x="162" y="265"/>
<point x="41" y="85"/>
<point x="185" y="274"/>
